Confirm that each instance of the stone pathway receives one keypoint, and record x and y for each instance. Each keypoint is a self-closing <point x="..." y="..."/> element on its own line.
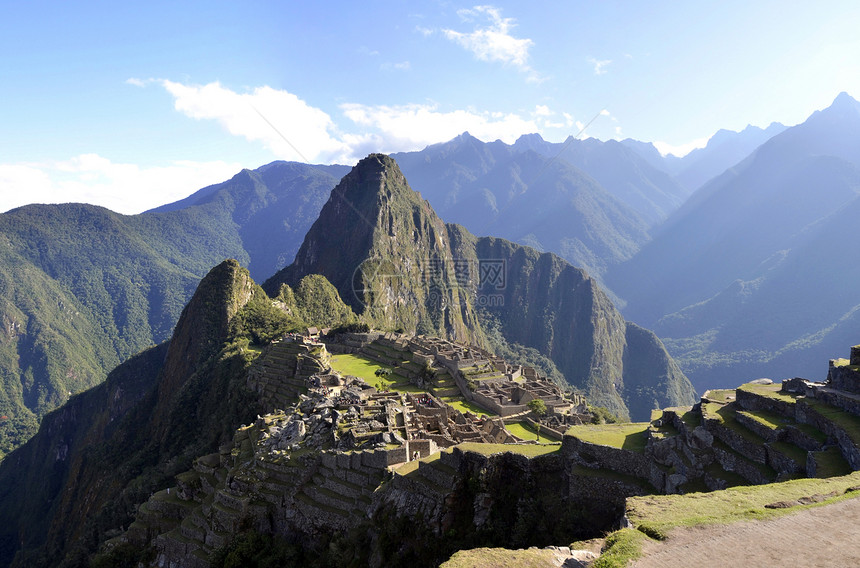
<point x="827" y="536"/>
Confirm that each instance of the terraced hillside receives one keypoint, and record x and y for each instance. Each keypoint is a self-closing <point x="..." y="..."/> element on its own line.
<point x="755" y="434"/>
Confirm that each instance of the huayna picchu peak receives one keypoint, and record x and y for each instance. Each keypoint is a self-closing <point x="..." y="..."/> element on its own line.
<point x="400" y="267"/>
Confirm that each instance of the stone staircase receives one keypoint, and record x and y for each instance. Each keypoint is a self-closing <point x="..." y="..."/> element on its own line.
<point x="386" y="353"/>
<point x="444" y="386"/>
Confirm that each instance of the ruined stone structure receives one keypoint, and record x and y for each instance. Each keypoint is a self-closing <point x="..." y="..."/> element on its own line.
<point x="471" y="372"/>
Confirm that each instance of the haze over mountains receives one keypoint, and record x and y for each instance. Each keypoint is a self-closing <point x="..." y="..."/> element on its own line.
<point x="753" y="274"/>
<point x="724" y="149"/>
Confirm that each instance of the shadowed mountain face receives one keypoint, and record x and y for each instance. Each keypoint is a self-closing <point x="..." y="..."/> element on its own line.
<point x="752" y="275"/>
<point x="398" y="265"/>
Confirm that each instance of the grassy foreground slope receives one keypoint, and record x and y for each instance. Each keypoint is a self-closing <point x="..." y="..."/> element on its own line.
<point x="654" y="516"/>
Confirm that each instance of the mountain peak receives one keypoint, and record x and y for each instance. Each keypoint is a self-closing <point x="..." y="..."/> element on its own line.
<point x="530" y="139"/>
<point x="844" y="103"/>
<point x="377" y="175"/>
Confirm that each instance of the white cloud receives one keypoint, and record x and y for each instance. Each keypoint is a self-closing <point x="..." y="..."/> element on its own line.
<point x="90" y="178"/>
<point x="289" y="127"/>
<point x="411" y="127"/>
<point x="136" y="82"/>
<point x="543" y="110"/>
<point x="599" y="65"/>
<point x="402" y="66"/>
<point x="680" y="150"/>
<point x="380" y="128"/>
<point x="493" y="42"/>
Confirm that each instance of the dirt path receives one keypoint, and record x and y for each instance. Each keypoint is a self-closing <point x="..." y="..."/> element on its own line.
<point x="827" y="536"/>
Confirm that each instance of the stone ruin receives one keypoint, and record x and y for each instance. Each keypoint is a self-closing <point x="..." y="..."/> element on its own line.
<point x="345" y="413"/>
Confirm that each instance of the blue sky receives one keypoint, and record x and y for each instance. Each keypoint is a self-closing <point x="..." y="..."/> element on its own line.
<point x="131" y="105"/>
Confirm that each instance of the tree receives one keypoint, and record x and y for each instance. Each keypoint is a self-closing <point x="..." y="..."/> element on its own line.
<point x="538" y="407"/>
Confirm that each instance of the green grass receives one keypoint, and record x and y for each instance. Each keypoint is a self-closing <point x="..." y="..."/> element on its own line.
<point x="666" y="430"/>
<point x="358" y="366"/>
<point x="726" y="416"/>
<point x="771" y="420"/>
<point x="494" y="557"/>
<point x="658" y="514"/>
<point x="769" y="391"/>
<point x="731" y="478"/>
<point x="848" y="422"/>
<point x="793" y="452"/>
<point x="528" y="450"/>
<point x="465" y="406"/>
<point x="411" y="466"/>
<point x="841" y="362"/>
<point x="631" y="436"/>
<point x="831" y="463"/>
<point x="812" y="432"/>
<point x="692" y="419"/>
<point x="720" y="395"/>
<point x="621" y="547"/>
<point x="524" y="431"/>
<point x="365" y="368"/>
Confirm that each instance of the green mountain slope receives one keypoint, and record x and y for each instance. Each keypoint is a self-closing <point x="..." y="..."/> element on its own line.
<point x="109" y="447"/>
<point x="81" y="477"/>
<point x="83" y="288"/>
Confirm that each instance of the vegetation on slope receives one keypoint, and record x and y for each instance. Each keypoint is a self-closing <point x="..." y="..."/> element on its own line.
<point x="95" y="458"/>
<point x="83" y="288"/>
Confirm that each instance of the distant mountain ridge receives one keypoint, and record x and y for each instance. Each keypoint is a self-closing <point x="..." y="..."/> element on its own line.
<point x="591" y="202"/>
<point x="723" y="150"/>
<point x="753" y="275"/>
